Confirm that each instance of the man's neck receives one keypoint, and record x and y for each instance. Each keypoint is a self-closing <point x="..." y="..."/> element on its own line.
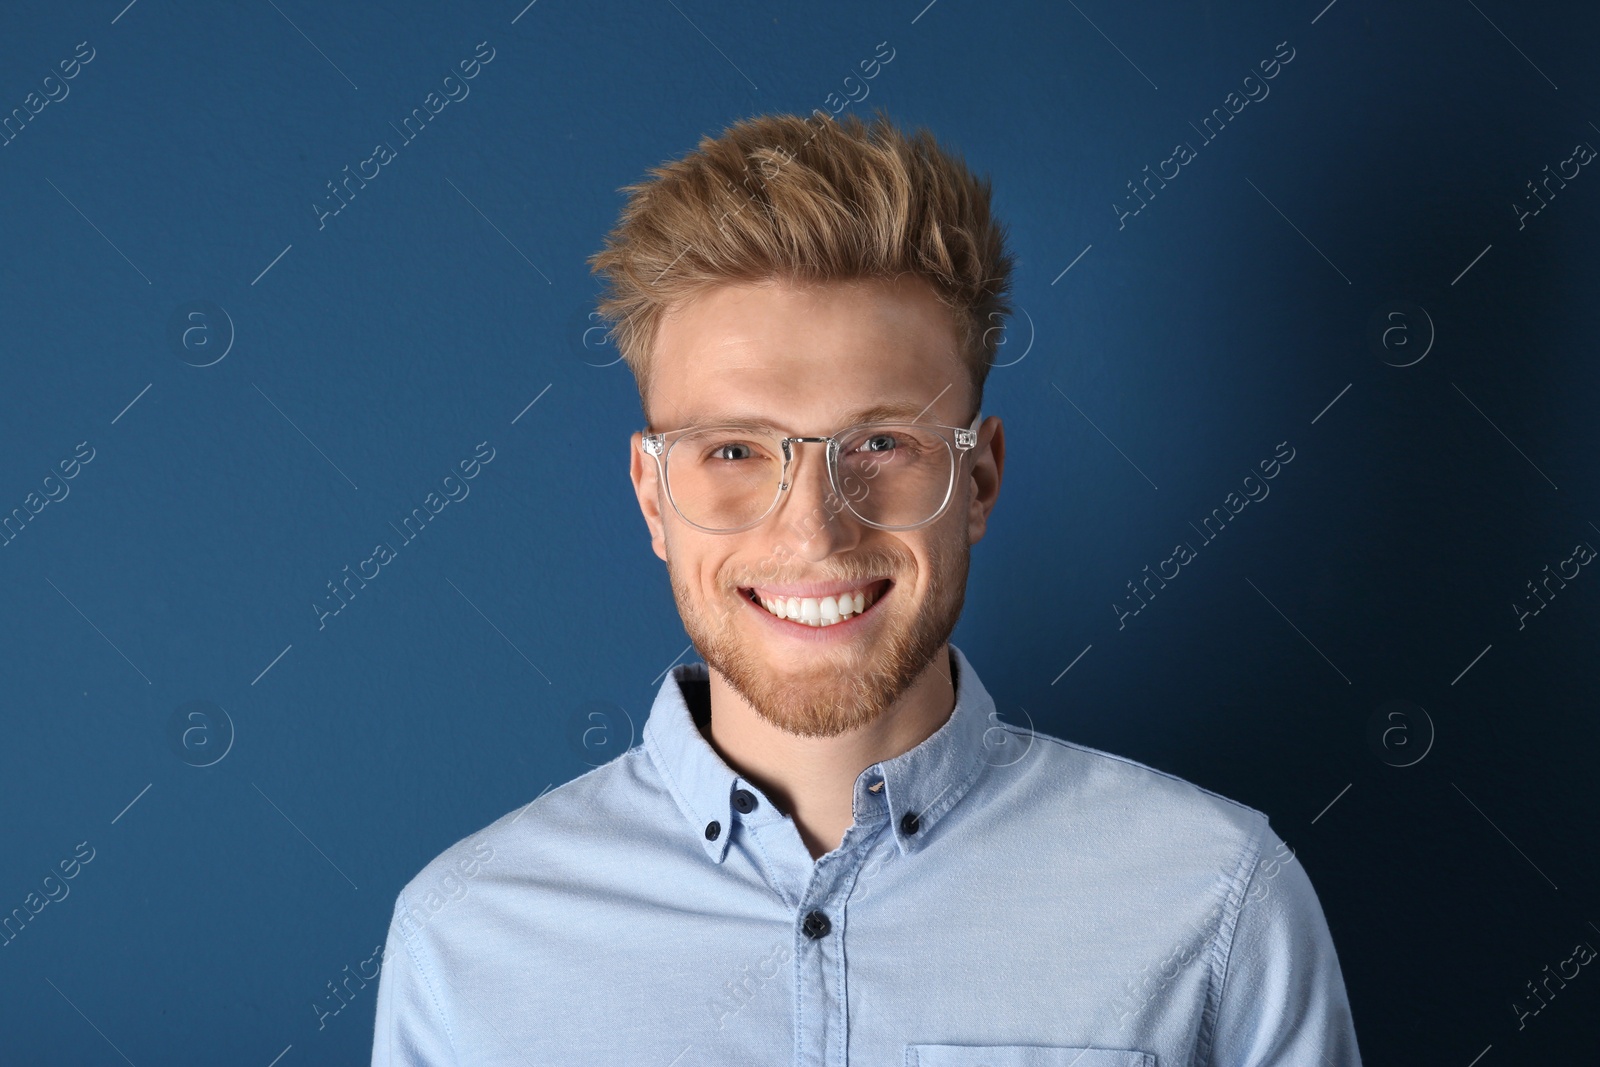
<point x="812" y="779"/>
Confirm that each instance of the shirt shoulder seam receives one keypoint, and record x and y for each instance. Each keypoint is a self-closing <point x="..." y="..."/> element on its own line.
<point x="1221" y="953"/>
<point x="519" y="812"/>
<point x="423" y="972"/>
<point x="1135" y="763"/>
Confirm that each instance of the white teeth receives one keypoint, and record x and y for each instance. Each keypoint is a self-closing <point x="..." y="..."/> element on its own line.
<point x="811" y="611"/>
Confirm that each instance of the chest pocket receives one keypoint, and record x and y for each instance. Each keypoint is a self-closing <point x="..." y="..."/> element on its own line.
<point x="1024" y="1056"/>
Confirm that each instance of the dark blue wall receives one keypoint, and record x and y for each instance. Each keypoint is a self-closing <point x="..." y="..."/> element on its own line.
<point x="240" y="784"/>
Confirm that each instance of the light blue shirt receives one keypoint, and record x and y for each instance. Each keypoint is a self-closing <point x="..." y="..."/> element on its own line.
<point x="1003" y="899"/>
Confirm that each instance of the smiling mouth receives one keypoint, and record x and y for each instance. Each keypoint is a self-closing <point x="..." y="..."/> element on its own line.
<point x="821" y="611"/>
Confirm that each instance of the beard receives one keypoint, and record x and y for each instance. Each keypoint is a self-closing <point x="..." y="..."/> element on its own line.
<point x="829" y="692"/>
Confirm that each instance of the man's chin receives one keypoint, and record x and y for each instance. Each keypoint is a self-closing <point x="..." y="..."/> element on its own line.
<point x="815" y="701"/>
<point x="807" y="689"/>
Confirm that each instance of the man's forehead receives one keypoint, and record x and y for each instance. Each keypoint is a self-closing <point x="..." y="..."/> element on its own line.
<point x="725" y="415"/>
<point x="885" y="353"/>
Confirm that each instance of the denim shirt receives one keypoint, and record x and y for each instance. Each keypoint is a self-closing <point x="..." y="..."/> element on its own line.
<point x="1003" y="899"/>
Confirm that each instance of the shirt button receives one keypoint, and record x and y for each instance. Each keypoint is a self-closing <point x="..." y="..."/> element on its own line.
<point x="816" y="925"/>
<point x="909" y="823"/>
<point x="744" y="801"/>
<point x="713" y="829"/>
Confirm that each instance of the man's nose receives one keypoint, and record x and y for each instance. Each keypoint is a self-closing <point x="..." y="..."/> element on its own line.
<point x="813" y="518"/>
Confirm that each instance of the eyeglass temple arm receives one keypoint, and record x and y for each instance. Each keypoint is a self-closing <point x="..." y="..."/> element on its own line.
<point x="968" y="437"/>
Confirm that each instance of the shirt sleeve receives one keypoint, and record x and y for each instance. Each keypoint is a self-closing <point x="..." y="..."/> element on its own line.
<point x="410" y="1028"/>
<point x="1283" y="999"/>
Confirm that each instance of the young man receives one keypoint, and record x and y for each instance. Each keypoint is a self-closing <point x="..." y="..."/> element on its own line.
<point x="828" y="850"/>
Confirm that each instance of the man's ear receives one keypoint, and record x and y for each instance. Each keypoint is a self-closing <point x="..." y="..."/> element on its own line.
<point x="988" y="464"/>
<point x="647" y="487"/>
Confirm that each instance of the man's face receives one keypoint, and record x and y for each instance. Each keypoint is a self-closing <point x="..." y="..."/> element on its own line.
<point x="807" y="359"/>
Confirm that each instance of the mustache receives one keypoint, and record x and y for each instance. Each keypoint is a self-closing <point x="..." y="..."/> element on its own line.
<point x="859" y="569"/>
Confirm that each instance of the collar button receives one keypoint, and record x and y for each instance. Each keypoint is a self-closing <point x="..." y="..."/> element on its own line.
<point x="744" y="801"/>
<point x="713" y="830"/>
<point x="909" y="823"/>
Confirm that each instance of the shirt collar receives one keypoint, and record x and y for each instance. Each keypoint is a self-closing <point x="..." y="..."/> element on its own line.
<point x="914" y="789"/>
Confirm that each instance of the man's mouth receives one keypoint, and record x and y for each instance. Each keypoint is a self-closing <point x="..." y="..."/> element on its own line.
<point x="830" y="603"/>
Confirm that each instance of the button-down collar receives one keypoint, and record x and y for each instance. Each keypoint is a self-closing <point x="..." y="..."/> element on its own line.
<point x="914" y="789"/>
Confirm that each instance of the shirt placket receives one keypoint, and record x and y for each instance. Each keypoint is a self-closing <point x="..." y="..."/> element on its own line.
<point x="818" y="890"/>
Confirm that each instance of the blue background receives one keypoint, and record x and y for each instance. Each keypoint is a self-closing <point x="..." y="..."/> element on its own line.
<point x="366" y="357"/>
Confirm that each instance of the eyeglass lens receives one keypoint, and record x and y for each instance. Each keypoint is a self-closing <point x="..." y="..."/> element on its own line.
<point x="892" y="475"/>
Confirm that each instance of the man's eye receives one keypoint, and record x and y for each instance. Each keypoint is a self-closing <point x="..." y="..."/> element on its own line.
<point x="733" y="450"/>
<point x="878" y="442"/>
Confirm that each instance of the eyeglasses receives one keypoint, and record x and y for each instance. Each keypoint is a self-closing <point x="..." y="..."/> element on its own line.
<point x="891" y="475"/>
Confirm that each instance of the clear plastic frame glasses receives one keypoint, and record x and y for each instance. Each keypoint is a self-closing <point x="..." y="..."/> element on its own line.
<point x="890" y="475"/>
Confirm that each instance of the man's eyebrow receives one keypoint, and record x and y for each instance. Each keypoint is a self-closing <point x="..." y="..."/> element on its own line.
<point x="901" y="412"/>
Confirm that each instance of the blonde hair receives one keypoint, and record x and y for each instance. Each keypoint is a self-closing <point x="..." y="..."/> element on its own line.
<point x="806" y="200"/>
